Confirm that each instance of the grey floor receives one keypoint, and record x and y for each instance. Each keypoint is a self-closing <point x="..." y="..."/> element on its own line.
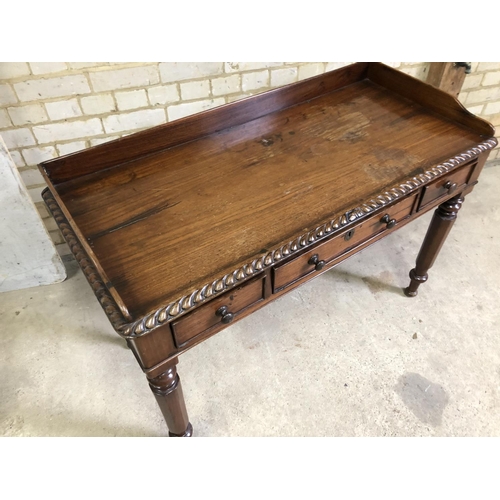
<point x="345" y="355"/>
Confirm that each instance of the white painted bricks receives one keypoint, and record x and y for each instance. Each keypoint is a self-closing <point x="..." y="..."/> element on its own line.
<point x="310" y="70"/>
<point x="84" y="65"/>
<point x="102" y="140"/>
<point x="18" y="137"/>
<point x="32" y="177"/>
<point x="36" y="196"/>
<point x="227" y="85"/>
<point x="62" y="110"/>
<point x="163" y="95"/>
<point x="472" y="81"/>
<point x="179" y="71"/>
<point x="13" y="70"/>
<point x="131" y="99"/>
<point x="487" y="66"/>
<point x="52" y="132"/>
<point x="49" y="109"/>
<point x="7" y="95"/>
<point x="254" y="81"/>
<point x="31" y="113"/>
<point x="335" y="65"/>
<point x="283" y="76"/>
<point x="43" y="68"/>
<point x="476" y="110"/>
<point x="134" y="120"/>
<point x="492" y="108"/>
<point x="140" y="76"/>
<point x="70" y="147"/>
<point x="4" y="119"/>
<point x="195" y="90"/>
<point x="232" y="67"/>
<point x="189" y="108"/>
<point x="18" y="159"/>
<point x="33" y="156"/>
<point x="70" y="85"/>
<point x="492" y="78"/>
<point x="98" y="104"/>
<point x="484" y="94"/>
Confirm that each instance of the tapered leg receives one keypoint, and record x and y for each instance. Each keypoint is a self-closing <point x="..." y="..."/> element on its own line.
<point x="168" y="392"/>
<point x="442" y="221"/>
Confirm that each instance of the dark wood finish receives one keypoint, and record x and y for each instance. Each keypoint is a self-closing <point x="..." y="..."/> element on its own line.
<point x="186" y="228"/>
<point x="286" y="273"/>
<point x="447" y="184"/>
<point x="168" y="393"/>
<point x="242" y="182"/>
<point x="425" y="95"/>
<point x="441" y="224"/>
<point x="150" y="350"/>
<point x="223" y="310"/>
<point x="157" y="367"/>
<point x="446" y="76"/>
<point x="112" y="305"/>
<point x="162" y="137"/>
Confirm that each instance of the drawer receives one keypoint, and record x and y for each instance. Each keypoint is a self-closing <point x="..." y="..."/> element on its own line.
<point x="450" y="183"/>
<point x="213" y="313"/>
<point x="291" y="271"/>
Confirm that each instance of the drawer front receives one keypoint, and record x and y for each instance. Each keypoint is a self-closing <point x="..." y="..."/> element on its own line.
<point x="451" y="183"/>
<point x="210" y="314"/>
<point x="288" y="273"/>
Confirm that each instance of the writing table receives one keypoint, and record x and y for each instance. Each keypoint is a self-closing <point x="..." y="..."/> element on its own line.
<point x="187" y="227"/>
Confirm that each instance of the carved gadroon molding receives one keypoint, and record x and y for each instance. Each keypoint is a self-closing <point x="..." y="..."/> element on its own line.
<point x="101" y="292"/>
<point x="174" y="309"/>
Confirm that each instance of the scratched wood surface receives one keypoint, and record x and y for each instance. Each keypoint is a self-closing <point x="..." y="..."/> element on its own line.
<point x="164" y="224"/>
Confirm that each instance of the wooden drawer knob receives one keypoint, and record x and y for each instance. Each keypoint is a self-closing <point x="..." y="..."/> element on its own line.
<point x="450" y="186"/>
<point x="318" y="264"/>
<point x="387" y="220"/>
<point x="226" y="316"/>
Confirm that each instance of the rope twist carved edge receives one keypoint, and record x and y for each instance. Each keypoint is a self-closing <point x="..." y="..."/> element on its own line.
<point x="101" y="292"/>
<point x="187" y="302"/>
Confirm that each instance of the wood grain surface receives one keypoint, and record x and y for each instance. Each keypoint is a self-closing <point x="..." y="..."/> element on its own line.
<point x="164" y="223"/>
<point x="289" y="272"/>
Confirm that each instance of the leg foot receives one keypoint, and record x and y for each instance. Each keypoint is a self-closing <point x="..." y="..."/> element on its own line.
<point x="416" y="281"/>
<point x="188" y="433"/>
<point x="168" y="393"/>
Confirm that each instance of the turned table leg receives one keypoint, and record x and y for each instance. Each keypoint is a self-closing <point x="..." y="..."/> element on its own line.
<point x="168" y="393"/>
<point x="442" y="221"/>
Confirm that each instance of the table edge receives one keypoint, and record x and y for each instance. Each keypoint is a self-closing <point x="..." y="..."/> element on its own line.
<point x="184" y="304"/>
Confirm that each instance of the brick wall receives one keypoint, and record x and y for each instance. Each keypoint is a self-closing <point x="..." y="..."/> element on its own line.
<point x="52" y="109"/>
<point x="481" y="95"/>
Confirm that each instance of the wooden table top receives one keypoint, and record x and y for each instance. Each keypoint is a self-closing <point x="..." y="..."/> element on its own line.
<point x="163" y="224"/>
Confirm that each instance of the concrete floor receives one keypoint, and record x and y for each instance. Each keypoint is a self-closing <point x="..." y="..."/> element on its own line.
<point x="345" y="355"/>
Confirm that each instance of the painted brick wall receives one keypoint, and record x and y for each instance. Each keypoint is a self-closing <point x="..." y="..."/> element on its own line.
<point x="52" y="109"/>
<point x="481" y="96"/>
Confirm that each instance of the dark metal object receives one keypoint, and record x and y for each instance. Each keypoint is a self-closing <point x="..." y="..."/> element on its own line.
<point x="318" y="264"/>
<point x="226" y="316"/>
<point x="386" y="219"/>
<point x="349" y="234"/>
<point x="465" y="65"/>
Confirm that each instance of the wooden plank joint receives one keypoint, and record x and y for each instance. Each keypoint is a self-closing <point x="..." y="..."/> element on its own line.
<point x="447" y="76"/>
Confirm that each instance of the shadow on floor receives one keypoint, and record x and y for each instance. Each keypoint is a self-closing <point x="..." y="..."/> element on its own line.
<point x="375" y="284"/>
